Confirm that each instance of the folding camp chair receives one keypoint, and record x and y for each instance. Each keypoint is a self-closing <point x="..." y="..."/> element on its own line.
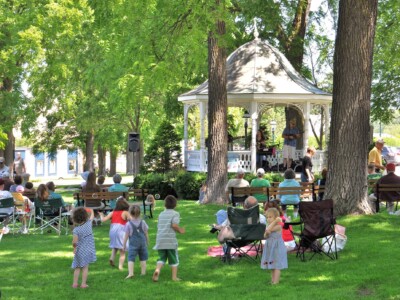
<point x="247" y="231"/>
<point x="51" y="216"/>
<point x="6" y="204"/>
<point x="316" y="222"/>
<point x="22" y="210"/>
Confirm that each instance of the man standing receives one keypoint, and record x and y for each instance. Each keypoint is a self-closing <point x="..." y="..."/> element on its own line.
<point x="290" y="136"/>
<point x="389" y="197"/>
<point x="236" y="182"/>
<point x="375" y="156"/>
<point x="19" y="165"/>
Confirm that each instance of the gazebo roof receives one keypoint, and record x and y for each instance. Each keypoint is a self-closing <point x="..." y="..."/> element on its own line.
<point x="258" y="71"/>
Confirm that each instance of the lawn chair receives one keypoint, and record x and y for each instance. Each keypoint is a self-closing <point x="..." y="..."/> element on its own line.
<point x="22" y="210"/>
<point x="51" y="216"/>
<point x="316" y="222"/>
<point x="247" y="231"/>
<point x="4" y="204"/>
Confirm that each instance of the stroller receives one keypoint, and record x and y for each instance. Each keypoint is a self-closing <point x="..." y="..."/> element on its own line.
<point x="245" y="230"/>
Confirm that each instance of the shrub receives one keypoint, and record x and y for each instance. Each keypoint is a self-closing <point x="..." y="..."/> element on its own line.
<point x="187" y="184"/>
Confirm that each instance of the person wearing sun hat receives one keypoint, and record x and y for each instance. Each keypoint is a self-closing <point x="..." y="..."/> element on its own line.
<point x="389" y="197"/>
<point x="375" y="156"/>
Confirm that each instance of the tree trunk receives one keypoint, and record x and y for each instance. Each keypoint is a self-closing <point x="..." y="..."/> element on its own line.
<point x="89" y="152"/>
<point x="349" y="135"/>
<point x="9" y="149"/>
<point x="101" y="160"/>
<point x="217" y="116"/>
<point x="113" y="162"/>
<point x="294" y="49"/>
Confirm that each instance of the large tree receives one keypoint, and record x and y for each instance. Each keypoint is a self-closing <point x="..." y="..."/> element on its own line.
<point x="217" y="110"/>
<point x="349" y="135"/>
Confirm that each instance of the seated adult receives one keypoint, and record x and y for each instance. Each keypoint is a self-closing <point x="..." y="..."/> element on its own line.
<point x="100" y="182"/>
<point x="8" y="182"/>
<point x="17" y="182"/>
<point x="322" y="181"/>
<point x="289" y="181"/>
<point x="117" y="187"/>
<point x="389" y="197"/>
<point x="53" y="195"/>
<point x="91" y="186"/>
<point x="3" y="167"/>
<point x="222" y="216"/>
<point x="239" y="181"/>
<point x="6" y="211"/>
<point x="260" y="181"/>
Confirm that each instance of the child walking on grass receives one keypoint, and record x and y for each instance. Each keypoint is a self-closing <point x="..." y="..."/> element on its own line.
<point x="274" y="256"/>
<point x="83" y="243"/>
<point x="119" y="217"/>
<point x="166" y="242"/>
<point x="137" y="232"/>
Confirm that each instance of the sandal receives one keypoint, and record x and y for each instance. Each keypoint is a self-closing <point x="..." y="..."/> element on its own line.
<point x="129" y="276"/>
<point x="155" y="275"/>
<point x="112" y="263"/>
<point x="75" y="286"/>
<point x="84" y="286"/>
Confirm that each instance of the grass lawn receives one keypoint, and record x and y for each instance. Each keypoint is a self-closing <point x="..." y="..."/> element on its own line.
<point x="37" y="266"/>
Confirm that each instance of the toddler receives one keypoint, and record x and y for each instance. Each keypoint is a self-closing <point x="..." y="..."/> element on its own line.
<point x="137" y="232"/>
<point x="274" y="256"/>
<point x="167" y="243"/>
<point x="83" y="243"/>
<point x="150" y="200"/>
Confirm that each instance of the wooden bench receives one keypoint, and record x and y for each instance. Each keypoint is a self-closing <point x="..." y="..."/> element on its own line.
<point x="382" y="187"/>
<point x="141" y="195"/>
<point x="99" y="200"/>
<point x="244" y="192"/>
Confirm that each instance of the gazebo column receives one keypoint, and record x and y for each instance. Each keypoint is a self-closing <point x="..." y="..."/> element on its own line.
<point x="185" y="133"/>
<point x="307" y="126"/>
<point x="253" y="148"/>
<point x="202" y="108"/>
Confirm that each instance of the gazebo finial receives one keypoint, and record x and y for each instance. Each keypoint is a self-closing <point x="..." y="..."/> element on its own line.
<point x="255" y="29"/>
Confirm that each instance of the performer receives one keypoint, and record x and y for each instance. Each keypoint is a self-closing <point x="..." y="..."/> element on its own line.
<point x="290" y="135"/>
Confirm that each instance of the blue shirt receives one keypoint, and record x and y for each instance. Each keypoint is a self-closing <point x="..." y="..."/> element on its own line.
<point x="116" y="187"/>
<point x="287" y="131"/>
<point x="289" y="199"/>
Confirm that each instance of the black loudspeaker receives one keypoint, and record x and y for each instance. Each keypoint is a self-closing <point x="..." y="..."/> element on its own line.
<point x="134" y="142"/>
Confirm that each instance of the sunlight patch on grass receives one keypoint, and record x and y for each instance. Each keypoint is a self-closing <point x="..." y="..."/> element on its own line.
<point x="320" y="278"/>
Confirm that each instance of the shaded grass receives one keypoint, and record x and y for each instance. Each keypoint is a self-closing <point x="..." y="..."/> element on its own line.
<point x="37" y="266"/>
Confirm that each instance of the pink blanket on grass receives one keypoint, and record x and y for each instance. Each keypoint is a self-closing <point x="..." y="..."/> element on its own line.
<point x="217" y="251"/>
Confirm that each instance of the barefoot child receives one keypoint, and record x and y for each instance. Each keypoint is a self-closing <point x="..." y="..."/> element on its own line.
<point x="274" y="256"/>
<point x="119" y="217"/>
<point x="166" y="243"/>
<point x="83" y="243"/>
<point x="137" y="232"/>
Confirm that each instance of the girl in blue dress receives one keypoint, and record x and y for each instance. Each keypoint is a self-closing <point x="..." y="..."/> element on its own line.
<point x="83" y="243"/>
<point x="274" y="256"/>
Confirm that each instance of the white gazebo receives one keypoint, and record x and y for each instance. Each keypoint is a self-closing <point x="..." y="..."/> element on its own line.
<point x="259" y="78"/>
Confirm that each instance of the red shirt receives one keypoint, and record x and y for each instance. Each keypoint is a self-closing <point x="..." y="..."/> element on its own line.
<point x="117" y="217"/>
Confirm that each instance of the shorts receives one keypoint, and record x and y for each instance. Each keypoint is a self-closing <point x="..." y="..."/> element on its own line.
<point x="289" y="152"/>
<point x="141" y="251"/>
<point x="168" y="254"/>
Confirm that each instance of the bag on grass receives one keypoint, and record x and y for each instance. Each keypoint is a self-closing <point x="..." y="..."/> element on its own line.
<point x="341" y="239"/>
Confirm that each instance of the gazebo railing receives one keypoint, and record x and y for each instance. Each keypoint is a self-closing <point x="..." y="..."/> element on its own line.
<point x="197" y="160"/>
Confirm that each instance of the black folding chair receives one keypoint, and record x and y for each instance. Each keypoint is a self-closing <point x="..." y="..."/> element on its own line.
<point x="317" y="230"/>
<point x="247" y="230"/>
<point x="51" y="215"/>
